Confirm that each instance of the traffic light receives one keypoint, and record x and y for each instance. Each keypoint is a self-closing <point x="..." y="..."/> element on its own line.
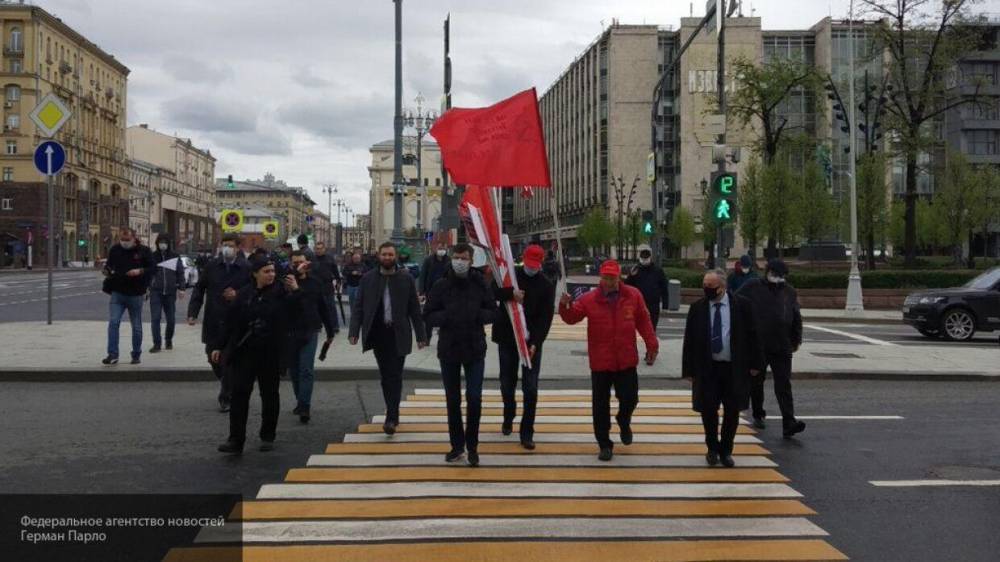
<point x="647" y="223"/>
<point x="81" y="242"/>
<point x="229" y="182"/>
<point x="724" y="197"/>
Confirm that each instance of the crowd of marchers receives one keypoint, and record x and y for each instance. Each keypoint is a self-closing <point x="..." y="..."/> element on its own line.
<point x="262" y="315"/>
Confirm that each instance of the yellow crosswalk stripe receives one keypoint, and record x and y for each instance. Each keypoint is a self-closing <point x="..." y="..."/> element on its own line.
<point x="514" y="474"/>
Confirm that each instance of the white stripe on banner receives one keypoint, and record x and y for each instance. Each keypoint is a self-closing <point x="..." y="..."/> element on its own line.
<point x="534" y="459"/>
<point x="667" y="420"/>
<point x="556" y="392"/>
<point x="507" y="528"/>
<point x="383" y="490"/>
<point x="931" y="483"/>
<point x="539" y="438"/>
<point x="542" y="405"/>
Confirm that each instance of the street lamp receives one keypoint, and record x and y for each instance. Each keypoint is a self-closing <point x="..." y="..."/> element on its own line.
<point x="421" y="122"/>
<point x="330" y="190"/>
<point x="855" y="301"/>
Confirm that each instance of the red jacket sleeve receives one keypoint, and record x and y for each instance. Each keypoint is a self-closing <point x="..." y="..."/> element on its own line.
<point x="575" y="312"/>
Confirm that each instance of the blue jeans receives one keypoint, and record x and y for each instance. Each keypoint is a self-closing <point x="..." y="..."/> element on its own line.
<point x="300" y="368"/>
<point x="120" y="303"/>
<point x="160" y="304"/>
<point x="352" y="293"/>
<point x="509" y="363"/>
<point x="451" y="375"/>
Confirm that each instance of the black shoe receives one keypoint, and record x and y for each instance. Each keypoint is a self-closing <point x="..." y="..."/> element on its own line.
<point x="528" y="444"/>
<point x="304" y="415"/>
<point x="154" y="349"/>
<point x="454" y="456"/>
<point x="625" y="434"/>
<point x="712" y="458"/>
<point x="110" y="360"/>
<point x="473" y="458"/>
<point x="135" y="361"/>
<point x="170" y="345"/>
<point x="606" y="454"/>
<point x="793" y="428"/>
<point x="389" y="427"/>
<point x="223" y="406"/>
<point x="266" y="445"/>
<point x="507" y="428"/>
<point x="231" y="446"/>
<point x="727" y="460"/>
<point x="296" y="411"/>
<point x="759" y="423"/>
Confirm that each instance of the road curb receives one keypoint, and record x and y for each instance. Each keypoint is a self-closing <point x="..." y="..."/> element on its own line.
<point x="827" y="319"/>
<point x="111" y="374"/>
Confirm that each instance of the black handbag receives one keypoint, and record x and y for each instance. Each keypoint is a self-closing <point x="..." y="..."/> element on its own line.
<point x="106" y="285"/>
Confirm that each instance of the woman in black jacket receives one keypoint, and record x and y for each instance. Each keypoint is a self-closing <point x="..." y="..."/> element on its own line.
<point x="253" y="346"/>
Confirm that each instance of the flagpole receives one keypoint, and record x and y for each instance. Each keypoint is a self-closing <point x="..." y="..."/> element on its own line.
<point x="559" y="248"/>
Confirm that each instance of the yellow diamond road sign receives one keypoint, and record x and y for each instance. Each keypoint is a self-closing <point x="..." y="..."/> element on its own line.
<point x="50" y="115"/>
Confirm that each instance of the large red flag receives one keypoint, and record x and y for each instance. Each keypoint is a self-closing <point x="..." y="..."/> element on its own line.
<point x="500" y="146"/>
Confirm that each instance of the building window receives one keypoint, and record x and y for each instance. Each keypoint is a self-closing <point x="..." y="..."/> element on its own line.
<point x="7" y="204"/>
<point x="16" y="43"/>
<point x="15" y="66"/>
<point x="13" y="121"/>
<point x="13" y="93"/>
<point x="982" y="142"/>
<point x="8" y="174"/>
<point x="11" y="147"/>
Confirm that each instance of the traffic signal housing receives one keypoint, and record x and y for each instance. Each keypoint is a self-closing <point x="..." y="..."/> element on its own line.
<point x="647" y="223"/>
<point x="724" y="188"/>
<point x="229" y="182"/>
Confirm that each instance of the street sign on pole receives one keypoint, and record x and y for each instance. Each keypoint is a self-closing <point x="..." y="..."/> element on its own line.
<point x="231" y="220"/>
<point x="50" y="157"/>
<point x="271" y="229"/>
<point x="50" y="115"/>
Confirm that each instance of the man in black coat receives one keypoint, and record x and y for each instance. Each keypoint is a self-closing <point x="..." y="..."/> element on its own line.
<point x="216" y="288"/>
<point x="720" y="356"/>
<point x="651" y="282"/>
<point x="385" y="308"/>
<point x="313" y="312"/>
<point x="166" y="286"/>
<point x="435" y="267"/>
<point x="128" y="269"/>
<point x="324" y="268"/>
<point x="779" y="326"/>
<point x="460" y="305"/>
<point x="537" y="294"/>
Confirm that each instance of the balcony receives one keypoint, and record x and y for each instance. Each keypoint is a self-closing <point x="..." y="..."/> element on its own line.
<point x="9" y="51"/>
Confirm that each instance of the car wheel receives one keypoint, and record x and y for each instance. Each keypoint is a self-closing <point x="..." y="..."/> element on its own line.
<point x="929" y="333"/>
<point x="958" y="325"/>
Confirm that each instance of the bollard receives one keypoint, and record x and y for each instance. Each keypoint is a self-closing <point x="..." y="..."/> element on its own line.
<point x="674" y="295"/>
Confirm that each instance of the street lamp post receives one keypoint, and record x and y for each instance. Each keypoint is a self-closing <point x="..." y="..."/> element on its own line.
<point x="855" y="301"/>
<point x="421" y="122"/>
<point x="397" y="148"/>
<point x="330" y="190"/>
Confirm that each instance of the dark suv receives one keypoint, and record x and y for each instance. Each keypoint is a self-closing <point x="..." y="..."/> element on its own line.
<point x="956" y="313"/>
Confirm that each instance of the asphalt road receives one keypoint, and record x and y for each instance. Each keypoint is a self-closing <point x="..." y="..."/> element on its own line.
<point x="161" y="438"/>
<point x="78" y="296"/>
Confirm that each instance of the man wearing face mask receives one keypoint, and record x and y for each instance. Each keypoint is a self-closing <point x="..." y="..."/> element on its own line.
<point x="217" y="288"/>
<point x="614" y="313"/>
<point x="385" y="307"/>
<point x="651" y="282"/>
<point x="537" y="294"/>
<point x="311" y="313"/>
<point x="166" y="287"/>
<point x="720" y="356"/>
<point x="460" y="305"/>
<point x="128" y="269"/>
<point x="435" y="267"/>
<point x="779" y="327"/>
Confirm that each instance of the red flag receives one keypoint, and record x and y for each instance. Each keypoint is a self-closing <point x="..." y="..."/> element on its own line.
<point x="499" y="146"/>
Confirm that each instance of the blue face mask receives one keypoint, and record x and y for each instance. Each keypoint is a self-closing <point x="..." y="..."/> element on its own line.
<point x="530" y="272"/>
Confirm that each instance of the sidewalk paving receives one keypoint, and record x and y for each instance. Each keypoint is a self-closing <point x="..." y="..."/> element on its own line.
<point x="33" y="351"/>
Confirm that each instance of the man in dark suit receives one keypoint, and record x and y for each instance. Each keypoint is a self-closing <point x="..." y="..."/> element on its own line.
<point x="721" y="354"/>
<point x="384" y="310"/>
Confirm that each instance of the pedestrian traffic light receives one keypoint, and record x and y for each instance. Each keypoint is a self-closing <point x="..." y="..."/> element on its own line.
<point x="724" y="197"/>
<point x="647" y="223"/>
<point x="229" y="182"/>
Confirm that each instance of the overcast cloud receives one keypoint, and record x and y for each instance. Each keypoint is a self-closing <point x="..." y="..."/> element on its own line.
<point x="302" y="88"/>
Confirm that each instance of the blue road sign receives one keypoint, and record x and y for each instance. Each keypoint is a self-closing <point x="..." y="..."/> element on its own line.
<point x="50" y="157"/>
<point x="309" y="219"/>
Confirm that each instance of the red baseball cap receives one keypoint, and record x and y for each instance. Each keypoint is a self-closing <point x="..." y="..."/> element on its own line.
<point x="533" y="256"/>
<point x="611" y="267"/>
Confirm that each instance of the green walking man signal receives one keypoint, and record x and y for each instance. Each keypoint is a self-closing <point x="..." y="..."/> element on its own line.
<point x="724" y="197"/>
<point x="229" y="182"/>
<point x="647" y="223"/>
<point x="723" y="211"/>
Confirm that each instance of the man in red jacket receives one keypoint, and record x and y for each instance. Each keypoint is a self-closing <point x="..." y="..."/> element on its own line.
<point x="614" y="313"/>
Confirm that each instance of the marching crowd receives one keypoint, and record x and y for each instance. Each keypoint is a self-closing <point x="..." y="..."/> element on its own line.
<point x="262" y="316"/>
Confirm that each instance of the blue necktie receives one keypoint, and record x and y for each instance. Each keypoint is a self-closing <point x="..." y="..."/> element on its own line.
<point x="717" y="329"/>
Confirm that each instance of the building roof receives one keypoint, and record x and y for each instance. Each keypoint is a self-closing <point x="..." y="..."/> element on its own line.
<point x="269" y="184"/>
<point x="177" y="140"/>
<point x="427" y="141"/>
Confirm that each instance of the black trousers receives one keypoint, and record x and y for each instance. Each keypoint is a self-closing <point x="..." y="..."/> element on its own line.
<point x="220" y="371"/>
<point x="390" y="368"/>
<point x="718" y="389"/>
<point x="510" y="363"/>
<point x="654" y="316"/>
<point x="266" y="371"/>
<point x="626" y="385"/>
<point x="781" y="368"/>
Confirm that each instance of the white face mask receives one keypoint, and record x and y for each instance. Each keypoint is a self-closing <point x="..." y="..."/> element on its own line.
<point x="127" y="244"/>
<point x="530" y="272"/>
<point x="228" y="252"/>
<point x="460" y="266"/>
<point x="162" y="246"/>
<point x="645" y="261"/>
<point x="772" y="278"/>
<point x="442" y="253"/>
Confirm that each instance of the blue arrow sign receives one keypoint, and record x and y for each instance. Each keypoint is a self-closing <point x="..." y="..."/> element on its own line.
<point x="50" y="157"/>
<point x="309" y="218"/>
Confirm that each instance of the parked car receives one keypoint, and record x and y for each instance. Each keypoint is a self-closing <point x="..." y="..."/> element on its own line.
<point x="190" y="271"/>
<point x="957" y="313"/>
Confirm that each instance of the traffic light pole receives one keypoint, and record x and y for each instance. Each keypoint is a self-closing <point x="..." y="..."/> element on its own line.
<point x="49" y="245"/>
<point x="721" y="85"/>
<point x="855" y="301"/>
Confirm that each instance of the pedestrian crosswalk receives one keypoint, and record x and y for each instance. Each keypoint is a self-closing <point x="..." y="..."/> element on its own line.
<point x="377" y="497"/>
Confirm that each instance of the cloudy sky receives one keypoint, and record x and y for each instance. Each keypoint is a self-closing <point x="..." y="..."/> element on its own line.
<point x="302" y="88"/>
